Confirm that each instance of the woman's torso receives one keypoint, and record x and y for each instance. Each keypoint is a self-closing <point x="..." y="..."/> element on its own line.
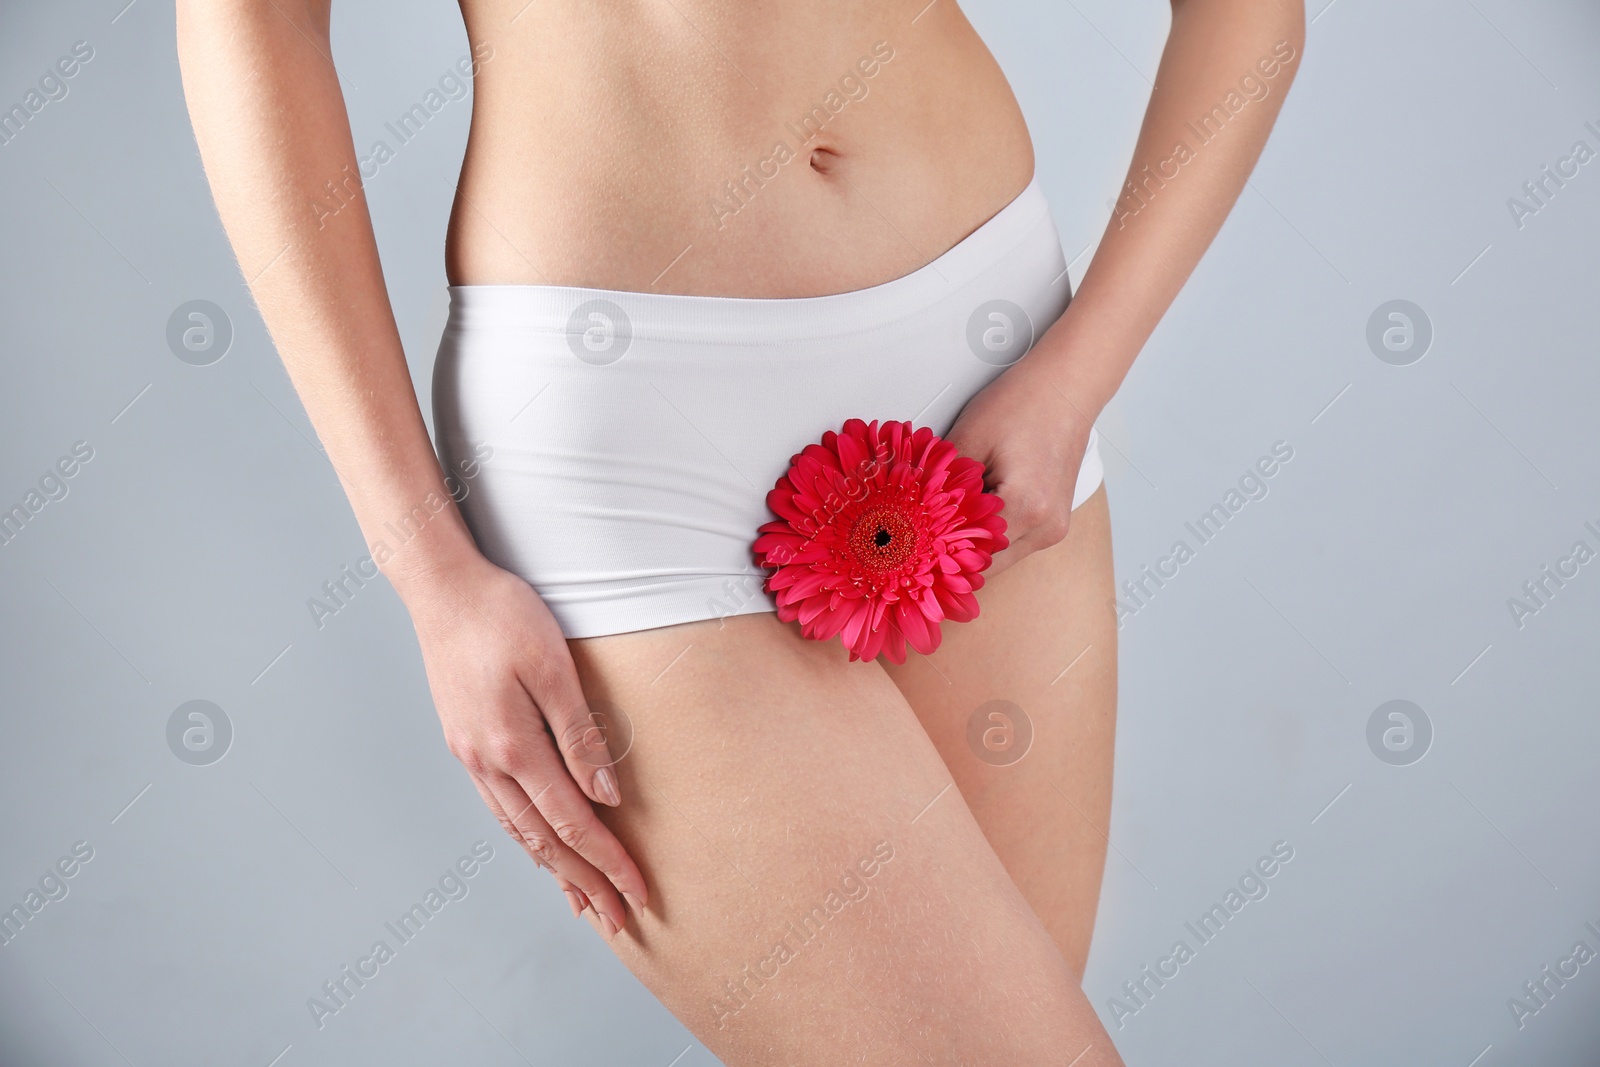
<point x="634" y="144"/>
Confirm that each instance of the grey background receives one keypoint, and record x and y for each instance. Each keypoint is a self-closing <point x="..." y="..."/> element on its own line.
<point x="1419" y="499"/>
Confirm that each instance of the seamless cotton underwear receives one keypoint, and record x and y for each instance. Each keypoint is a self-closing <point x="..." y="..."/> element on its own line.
<point x="634" y="436"/>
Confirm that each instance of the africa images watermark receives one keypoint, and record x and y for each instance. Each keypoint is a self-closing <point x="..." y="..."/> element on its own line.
<point x="1552" y="979"/>
<point x="51" y="888"/>
<point x="1538" y="591"/>
<point x="453" y="84"/>
<point x="1252" y="886"/>
<point x="736" y="195"/>
<point x="1138" y="592"/>
<point x="852" y="888"/>
<point x="52" y="87"/>
<point x="453" y="885"/>
<point x="52" y="486"/>
<point x="1542" y="189"/>
<point x="341" y="589"/>
<point x="1138" y="192"/>
<point x="738" y="595"/>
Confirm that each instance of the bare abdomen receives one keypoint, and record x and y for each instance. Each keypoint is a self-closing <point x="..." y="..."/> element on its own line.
<point x="763" y="151"/>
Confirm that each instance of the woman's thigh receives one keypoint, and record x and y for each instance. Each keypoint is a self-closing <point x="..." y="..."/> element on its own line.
<point x="1040" y="659"/>
<point x="819" y="891"/>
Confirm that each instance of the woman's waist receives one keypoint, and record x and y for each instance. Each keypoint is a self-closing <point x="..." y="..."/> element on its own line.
<point x="820" y="181"/>
<point x="764" y="224"/>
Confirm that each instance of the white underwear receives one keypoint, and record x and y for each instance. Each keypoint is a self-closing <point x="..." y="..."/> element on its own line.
<point x="632" y="437"/>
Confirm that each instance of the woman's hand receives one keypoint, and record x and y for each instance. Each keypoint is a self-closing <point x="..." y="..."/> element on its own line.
<point x="1030" y="437"/>
<point x="514" y="714"/>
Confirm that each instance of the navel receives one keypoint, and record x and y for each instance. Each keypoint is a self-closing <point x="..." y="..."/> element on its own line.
<point x="824" y="160"/>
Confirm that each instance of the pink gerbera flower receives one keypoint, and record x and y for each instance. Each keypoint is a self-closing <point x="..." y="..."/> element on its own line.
<point x="883" y="533"/>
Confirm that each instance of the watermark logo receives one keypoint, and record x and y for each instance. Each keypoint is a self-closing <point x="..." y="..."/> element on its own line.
<point x="1399" y="733"/>
<point x="52" y="86"/>
<point x="1252" y="886"/>
<point x="999" y="733"/>
<point x="454" y="84"/>
<point x="1539" y="590"/>
<point x="451" y="886"/>
<point x="737" y="595"/>
<point x="1399" y="333"/>
<point x="51" y="887"/>
<point x="739" y="193"/>
<point x="199" y="733"/>
<point x="199" y="333"/>
<point x="52" y="486"/>
<point x="605" y="739"/>
<point x="999" y="332"/>
<point x="599" y="332"/>
<point x="852" y="886"/>
<point x="339" y="591"/>
<point x="1551" y="980"/>
<point x="1139" y="591"/>
<point x="1253" y="86"/>
<point x="1541" y="189"/>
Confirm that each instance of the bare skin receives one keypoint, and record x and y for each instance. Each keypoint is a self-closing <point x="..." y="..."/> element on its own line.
<point x="762" y="769"/>
<point x="761" y="765"/>
<point x="1045" y="642"/>
<point x="644" y="113"/>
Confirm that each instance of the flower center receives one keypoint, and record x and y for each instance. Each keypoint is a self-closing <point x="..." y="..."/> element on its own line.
<point x="882" y="538"/>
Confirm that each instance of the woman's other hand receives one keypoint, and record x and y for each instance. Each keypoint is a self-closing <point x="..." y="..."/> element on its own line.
<point x="1031" y="438"/>
<point x="514" y="714"/>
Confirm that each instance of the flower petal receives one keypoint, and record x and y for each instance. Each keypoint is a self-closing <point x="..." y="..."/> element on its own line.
<point x="911" y="622"/>
<point x="856" y="625"/>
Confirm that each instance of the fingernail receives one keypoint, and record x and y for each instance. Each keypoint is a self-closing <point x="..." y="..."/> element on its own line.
<point x="605" y="783"/>
<point x="572" y="899"/>
<point x="634" y="902"/>
<point x="608" y="927"/>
